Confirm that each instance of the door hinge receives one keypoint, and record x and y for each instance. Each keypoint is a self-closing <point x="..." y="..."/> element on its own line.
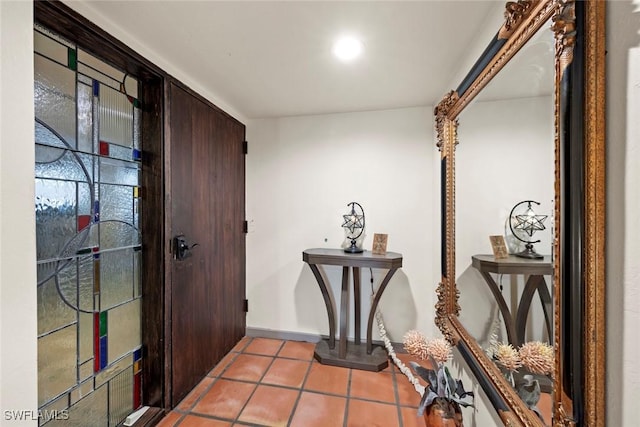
<point x="245" y="147"/>
<point x="245" y="306"/>
<point x="245" y="227"/>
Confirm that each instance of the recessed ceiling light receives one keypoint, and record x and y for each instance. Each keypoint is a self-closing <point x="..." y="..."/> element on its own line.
<point x="347" y="48"/>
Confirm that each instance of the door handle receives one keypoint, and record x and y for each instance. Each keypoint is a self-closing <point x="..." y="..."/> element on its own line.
<point x="182" y="249"/>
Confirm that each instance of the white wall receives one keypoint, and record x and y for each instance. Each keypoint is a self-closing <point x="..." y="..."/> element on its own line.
<point x="623" y="213"/>
<point x="18" y="322"/>
<point x="301" y="173"/>
<point x="505" y="156"/>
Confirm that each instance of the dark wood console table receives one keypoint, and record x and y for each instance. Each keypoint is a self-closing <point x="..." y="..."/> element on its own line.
<point x="351" y="354"/>
<point x="536" y="269"/>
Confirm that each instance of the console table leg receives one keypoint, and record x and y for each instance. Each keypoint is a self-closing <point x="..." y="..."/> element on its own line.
<point x="509" y="324"/>
<point x="344" y="313"/>
<point x="356" y="303"/>
<point x="328" y="304"/>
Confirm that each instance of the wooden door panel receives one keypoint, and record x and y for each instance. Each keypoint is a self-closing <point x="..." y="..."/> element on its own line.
<point x="208" y="287"/>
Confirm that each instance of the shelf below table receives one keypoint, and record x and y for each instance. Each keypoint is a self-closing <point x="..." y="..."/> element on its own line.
<point x="357" y="357"/>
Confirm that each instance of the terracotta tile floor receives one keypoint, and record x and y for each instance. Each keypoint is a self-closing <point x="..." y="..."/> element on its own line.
<point x="267" y="382"/>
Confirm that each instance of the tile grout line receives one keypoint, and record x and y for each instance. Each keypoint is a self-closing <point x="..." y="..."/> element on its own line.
<point x="258" y="383"/>
<point x="397" y="394"/>
<point x="208" y="388"/>
<point x="189" y="410"/>
<point x="304" y="380"/>
<point x="348" y="401"/>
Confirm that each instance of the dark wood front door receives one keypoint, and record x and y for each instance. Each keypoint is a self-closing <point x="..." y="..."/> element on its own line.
<point x="207" y="209"/>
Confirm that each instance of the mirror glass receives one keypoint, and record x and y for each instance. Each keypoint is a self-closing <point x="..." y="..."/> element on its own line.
<point x="505" y="156"/>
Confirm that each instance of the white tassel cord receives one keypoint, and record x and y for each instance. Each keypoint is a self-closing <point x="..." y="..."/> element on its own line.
<point x="403" y="368"/>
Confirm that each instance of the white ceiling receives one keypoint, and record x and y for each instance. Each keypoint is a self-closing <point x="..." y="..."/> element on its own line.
<point x="271" y="59"/>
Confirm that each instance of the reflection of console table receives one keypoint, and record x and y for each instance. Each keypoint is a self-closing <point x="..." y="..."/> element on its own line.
<point x="351" y="354"/>
<point x="536" y="269"/>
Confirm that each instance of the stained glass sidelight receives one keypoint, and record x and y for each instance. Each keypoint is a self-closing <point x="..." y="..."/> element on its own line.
<point x="88" y="164"/>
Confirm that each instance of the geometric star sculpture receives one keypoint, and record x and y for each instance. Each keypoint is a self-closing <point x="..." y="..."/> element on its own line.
<point x="527" y="223"/>
<point x="530" y="222"/>
<point x="354" y="223"/>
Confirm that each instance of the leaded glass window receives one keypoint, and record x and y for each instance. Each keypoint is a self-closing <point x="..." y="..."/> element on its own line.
<point x="87" y="172"/>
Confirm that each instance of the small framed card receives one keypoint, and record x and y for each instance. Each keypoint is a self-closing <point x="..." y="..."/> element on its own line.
<point x="379" y="244"/>
<point x="499" y="247"/>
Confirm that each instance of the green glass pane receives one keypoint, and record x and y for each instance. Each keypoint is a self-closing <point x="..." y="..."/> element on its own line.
<point x="55" y="97"/>
<point x="53" y="313"/>
<point x="124" y="329"/>
<point x="120" y="397"/>
<point x="89" y="411"/>
<point x="56" y="363"/>
<point x="104" y="324"/>
<point x="72" y="59"/>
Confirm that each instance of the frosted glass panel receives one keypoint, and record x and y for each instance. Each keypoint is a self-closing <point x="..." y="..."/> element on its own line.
<point x="113" y="370"/>
<point x="85" y="199"/>
<point x="94" y="74"/>
<point x="55" y="216"/>
<point x="56" y="163"/>
<point x="90" y="411"/>
<point x="116" y="203"/>
<point x="53" y="313"/>
<point x="85" y="341"/>
<point x="136" y="128"/>
<point x="85" y="118"/>
<point x="81" y="391"/>
<point x="56" y="363"/>
<point x="55" y="97"/>
<point x="50" y="48"/>
<point x="114" y="171"/>
<point x="46" y="136"/>
<point x="103" y="68"/>
<point x="116" y="279"/>
<point x="137" y="261"/>
<point x="116" y="117"/>
<point x="85" y="283"/>
<point x="88" y="245"/>
<point x="117" y="234"/>
<point x="120" y="397"/>
<point x="124" y="329"/>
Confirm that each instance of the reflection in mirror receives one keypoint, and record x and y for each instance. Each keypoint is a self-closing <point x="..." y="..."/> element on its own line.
<point x="506" y="156"/>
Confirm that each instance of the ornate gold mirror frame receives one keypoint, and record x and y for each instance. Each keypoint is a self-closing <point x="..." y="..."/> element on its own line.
<point x="579" y="217"/>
